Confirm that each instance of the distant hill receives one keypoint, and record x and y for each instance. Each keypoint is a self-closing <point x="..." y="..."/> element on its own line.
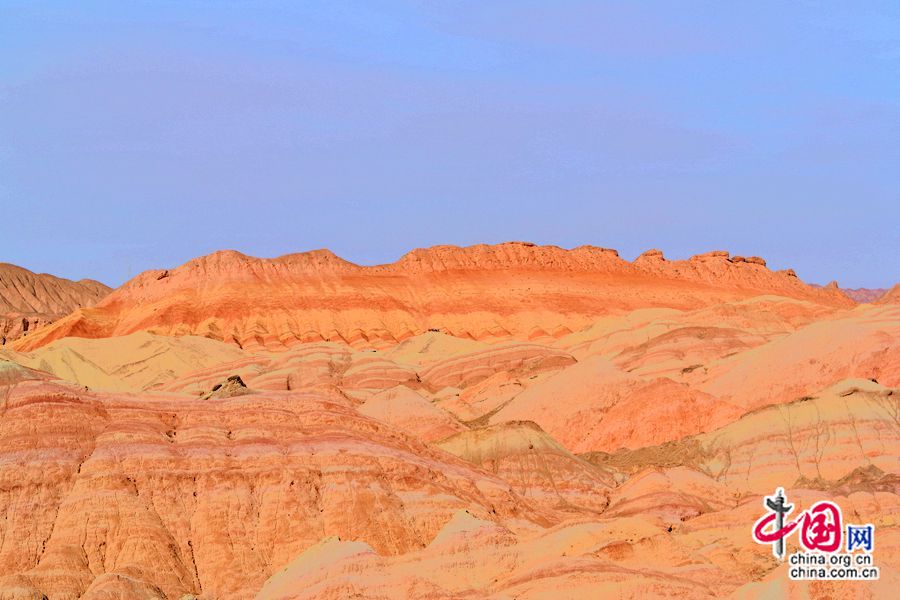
<point x="514" y="290"/>
<point x="29" y="301"/>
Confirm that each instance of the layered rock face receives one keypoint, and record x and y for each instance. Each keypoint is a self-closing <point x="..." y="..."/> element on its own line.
<point x="513" y="290"/>
<point x="612" y="431"/>
<point x="210" y="497"/>
<point x="537" y="466"/>
<point x="618" y="557"/>
<point x="29" y="301"/>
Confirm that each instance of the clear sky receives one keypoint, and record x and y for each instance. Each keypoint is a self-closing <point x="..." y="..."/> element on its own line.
<point x="137" y="135"/>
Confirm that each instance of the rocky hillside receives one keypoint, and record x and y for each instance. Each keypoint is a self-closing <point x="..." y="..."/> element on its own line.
<point x="29" y="301"/>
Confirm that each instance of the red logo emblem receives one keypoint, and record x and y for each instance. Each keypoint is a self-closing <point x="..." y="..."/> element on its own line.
<point x="820" y="526"/>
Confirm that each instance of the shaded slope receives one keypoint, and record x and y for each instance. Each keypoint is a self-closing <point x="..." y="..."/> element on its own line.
<point x="29" y="300"/>
<point x="139" y="361"/>
<point x="535" y="464"/>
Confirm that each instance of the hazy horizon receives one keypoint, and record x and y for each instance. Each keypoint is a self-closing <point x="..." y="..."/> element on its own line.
<point x="141" y="136"/>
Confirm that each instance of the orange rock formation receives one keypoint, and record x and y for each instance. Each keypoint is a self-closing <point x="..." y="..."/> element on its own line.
<point x="515" y="290"/>
<point x="506" y="421"/>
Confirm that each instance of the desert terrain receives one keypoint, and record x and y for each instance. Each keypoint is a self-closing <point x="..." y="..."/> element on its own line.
<point x="505" y="421"/>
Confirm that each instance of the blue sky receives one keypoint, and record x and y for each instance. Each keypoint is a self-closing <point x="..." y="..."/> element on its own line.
<point x="139" y="135"/>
